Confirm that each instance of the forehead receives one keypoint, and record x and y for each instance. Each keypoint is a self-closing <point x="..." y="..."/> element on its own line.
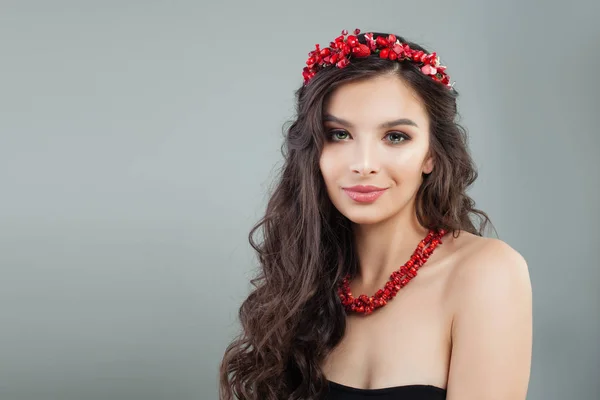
<point x="372" y="101"/>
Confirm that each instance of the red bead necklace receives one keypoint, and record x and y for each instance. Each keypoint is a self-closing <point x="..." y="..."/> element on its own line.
<point x="398" y="279"/>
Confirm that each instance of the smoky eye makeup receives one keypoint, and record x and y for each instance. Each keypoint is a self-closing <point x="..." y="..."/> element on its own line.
<point x="338" y="134"/>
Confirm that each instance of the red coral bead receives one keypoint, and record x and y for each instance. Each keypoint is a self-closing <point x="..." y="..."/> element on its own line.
<point x="361" y="50"/>
<point x="381" y="41"/>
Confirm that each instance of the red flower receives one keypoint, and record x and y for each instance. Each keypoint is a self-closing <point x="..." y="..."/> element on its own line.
<point x="428" y="69"/>
<point x="343" y="63"/>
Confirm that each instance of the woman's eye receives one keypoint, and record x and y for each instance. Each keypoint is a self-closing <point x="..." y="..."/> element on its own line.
<point x="394" y="137"/>
<point x="397" y="137"/>
<point x="338" y="135"/>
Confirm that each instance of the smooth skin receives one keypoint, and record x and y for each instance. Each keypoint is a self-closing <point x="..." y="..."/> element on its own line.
<point x="465" y="322"/>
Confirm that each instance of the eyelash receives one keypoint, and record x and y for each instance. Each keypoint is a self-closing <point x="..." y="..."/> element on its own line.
<point x="332" y="132"/>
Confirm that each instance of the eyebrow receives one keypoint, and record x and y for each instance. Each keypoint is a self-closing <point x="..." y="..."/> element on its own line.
<point x="389" y="124"/>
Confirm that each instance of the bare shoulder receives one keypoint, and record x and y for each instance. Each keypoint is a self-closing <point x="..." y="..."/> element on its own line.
<point x="490" y="296"/>
<point x="489" y="264"/>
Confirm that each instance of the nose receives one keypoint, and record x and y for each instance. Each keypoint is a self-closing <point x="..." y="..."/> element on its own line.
<point x="366" y="160"/>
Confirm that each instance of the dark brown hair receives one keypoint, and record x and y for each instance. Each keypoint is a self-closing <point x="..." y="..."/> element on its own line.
<point x="293" y="317"/>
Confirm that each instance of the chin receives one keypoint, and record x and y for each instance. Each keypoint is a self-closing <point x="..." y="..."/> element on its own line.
<point x="367" y="216"/>
<point x="365" y="221"/>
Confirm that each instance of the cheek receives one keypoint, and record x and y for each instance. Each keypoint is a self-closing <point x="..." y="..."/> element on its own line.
<point x="404" y="164"/>
<point x="328" y="165"/>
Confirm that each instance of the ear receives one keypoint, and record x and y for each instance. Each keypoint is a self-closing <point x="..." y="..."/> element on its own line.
<point x="428" y="165"/>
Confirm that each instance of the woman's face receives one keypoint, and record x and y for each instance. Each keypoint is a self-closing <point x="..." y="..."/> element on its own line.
<point x="378" y="134"/>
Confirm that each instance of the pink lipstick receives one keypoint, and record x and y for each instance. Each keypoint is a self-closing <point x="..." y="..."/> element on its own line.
<point x="364" y="194"/>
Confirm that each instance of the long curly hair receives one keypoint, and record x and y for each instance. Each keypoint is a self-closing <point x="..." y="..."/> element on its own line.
<point x="293" y="317"/>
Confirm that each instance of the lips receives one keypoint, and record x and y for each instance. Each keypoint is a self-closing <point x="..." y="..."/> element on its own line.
<point x="364" y="188"/>
<point x="364" y="194"/>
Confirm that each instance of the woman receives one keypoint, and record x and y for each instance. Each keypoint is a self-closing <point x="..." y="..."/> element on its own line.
<point x="373" y="190"/>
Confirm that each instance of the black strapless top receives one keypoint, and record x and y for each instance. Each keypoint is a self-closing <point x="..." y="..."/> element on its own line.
<point x="338" y="391"/>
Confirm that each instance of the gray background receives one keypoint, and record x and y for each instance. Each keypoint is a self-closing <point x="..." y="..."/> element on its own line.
<point x="138" y="140"/>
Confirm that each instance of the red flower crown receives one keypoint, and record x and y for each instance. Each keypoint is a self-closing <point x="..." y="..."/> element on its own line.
<point x="343" y="48"/>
